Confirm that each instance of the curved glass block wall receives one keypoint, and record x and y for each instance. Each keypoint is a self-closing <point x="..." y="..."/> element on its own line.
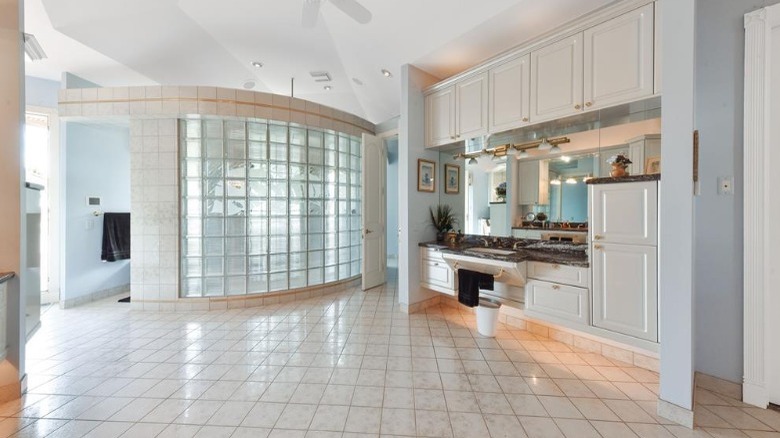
<point x="267" y="206"/>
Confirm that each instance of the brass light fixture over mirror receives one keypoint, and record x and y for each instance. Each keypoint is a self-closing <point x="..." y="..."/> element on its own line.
<point x="515" y="150"/>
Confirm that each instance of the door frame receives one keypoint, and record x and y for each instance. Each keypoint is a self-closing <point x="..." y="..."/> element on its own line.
<point x="761" y="358"/>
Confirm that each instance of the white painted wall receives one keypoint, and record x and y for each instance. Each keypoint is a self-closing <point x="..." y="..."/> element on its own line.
<point x="41" y="92"/>
<point x="456" y="201"/>
<point x="97" y="163"/>
<point x="414" y="218"/>
<point x="720" y="47"/>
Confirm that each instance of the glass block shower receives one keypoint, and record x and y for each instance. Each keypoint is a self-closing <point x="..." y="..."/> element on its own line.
<point x="267" y="206"/>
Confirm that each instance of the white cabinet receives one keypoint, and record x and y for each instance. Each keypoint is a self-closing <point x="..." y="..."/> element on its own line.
<point x="624" y="222"/>
<point x="556" y="273"/>
<point x="618" y="61"/>
<point x="510" y="100"/>
<point x="498" y="219"/>
<point x="658" y="57"/>
<point x="435" y="273"/>
<point x="527" y="234"/>
<point x="471" y="107"/>
<point x="556" y="79"/>
<point x="440" y="117"/>
<point x="457" y="112"/>
<point x="625" y="213"/>
<point x="640" y="149"/>
<point x="625" y="289"/>
<point x="557" y="291"/>
<point x="534" y="177"/>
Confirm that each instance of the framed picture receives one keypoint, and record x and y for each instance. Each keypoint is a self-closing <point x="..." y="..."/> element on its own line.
<point x="426" y="176"/>
<point x="652" y="165"/>
<point x="451" y="179"/>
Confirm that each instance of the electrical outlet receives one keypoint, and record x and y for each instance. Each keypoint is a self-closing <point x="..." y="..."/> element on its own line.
<point x="725" y="185"/>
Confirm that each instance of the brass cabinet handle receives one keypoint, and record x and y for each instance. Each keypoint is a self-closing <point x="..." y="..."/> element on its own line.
<point x="525" y="119"/>
<point x="588" y="103"/>
<point x="598" y="247"/>
<point x="578" y="106"/>
<point x="598" y="237"/>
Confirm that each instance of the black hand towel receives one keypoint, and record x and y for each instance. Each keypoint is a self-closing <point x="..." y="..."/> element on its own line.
<point x="469" y="284"/>
<point x="116" y="237"/>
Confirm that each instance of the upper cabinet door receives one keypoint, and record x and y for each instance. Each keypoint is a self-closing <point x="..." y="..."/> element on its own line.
<point x="440" y="117"/>
<point x="471" y="108"/>
<point x="619" y="59"/>
<point x="556" y="79"/>
<point x="510" y="95"/>
<point x="625" y="213"/>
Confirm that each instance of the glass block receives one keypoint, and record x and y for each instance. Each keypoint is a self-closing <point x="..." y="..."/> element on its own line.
<point x="297" y="189"/>
<point x="343" y="191"/>
<point x="215" y="207"/>
<point x="279" y="208"/>
<point x="315" y="259"/>
<point x="258" y="264"/>
<point x="297" y="242"/>
<point x="192" y="246"/>
<point x="212" y="128"/>
<point x="278" y="262"/>
<point x="258" y="207"/>
<point x="330" y="224"/>
<point x="257" y="245"/>
<point x="257" y="131"/>
<point x="343" y="160"/>
<point x="257" y="150"/>
<point x="278" y="244"/>
<point x="278" y="133"/>
<point x="343" y="144"/>
<point x="192" y="188"/>
<point x="278" y="170"/>
<point x="329" y="192"/>
<point x="258" y="170"/>
<point x="343" y="223"/>
<point x="235" y="130"/>
<point x="315" y="276"/>
<point x="235" y="245"/>
<point x="344" y="240"/>
<point x="213" y="287"/>
<point x="192" y="168"/>
<point x="193" y="226"/>
<point x="343" y="176"/>
<point x="297" y="208"/>
<point x="279" y="188"/>
<point x="298" y="172"/>
<point x="278" y="152"/>
<point x="236" y="149"/>
<point x="257" y="284"/>
<point x="331" y="274"/>
<point x="315" y="241"/>
<point x="330" y="141"/>
<point x="344" y="271"/>
<point x="315" y="192"/>
<point x="213" y="267"/>
<point x="316" y="225"/>
<point x="330" y="158"/>
<point x="354" y="164"/>
<point x="235" y="188"/>
<point x="316" y="173"/>
<point x="258" y="226"/>
<point x="235" y="266"/>
<point x="316" y="156"/>
<point x="192" y="129"/>
<point x="235" y="226"/>
<point x="330" y="174"/>
<point x="235" y="169"/>
<point x="298" y="279"/>
<point x="315" y="138"/>
<point x="236" y="285"/>
<point x="297" y="154"/>
<point x="355" y="237"/>
<point x="277" y="282"/>
<point x="355" y="222"/>
<point x="297" y="260"/>
<point x="355" y="268"/>
<point x="314" y="208"/>
<point x="213" y="246"/>
<point x="258" y="189"/>
<point x="298" y="136"/>
<point x="344" y="255"/>
<point x="213" y="226"/>
<point x="193" y="287"/>
<point x="354" y="253"/>
<point x="355" y="145"/>
<point x="194" y="207"/>
<point x="214" y="169"/>
<point x="215" y="187"/>
<point x="213" y="148"/>
<point x="192" y="148"/>
<point x="354" y="195"/>
<point x="331" y="240"/>
<point x="331" y="257"/>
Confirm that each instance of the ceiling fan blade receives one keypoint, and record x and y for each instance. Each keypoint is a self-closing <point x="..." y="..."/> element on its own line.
<point x="354" y="9"/>
<point x="311" y="11"/>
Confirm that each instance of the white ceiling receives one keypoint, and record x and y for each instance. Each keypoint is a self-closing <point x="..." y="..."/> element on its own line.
<point x="208" y="42"/>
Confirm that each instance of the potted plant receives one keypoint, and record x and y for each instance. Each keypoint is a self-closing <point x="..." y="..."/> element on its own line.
<point x="619" y="164"/>
<point x="501" y="191"/>
<point x="444" y="220"/>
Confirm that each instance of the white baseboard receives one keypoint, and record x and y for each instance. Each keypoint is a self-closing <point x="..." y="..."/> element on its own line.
<point x="94" y="296"/>
<point x="679" y="415"/>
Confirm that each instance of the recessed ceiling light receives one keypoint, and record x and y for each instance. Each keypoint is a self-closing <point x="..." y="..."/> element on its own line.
<point x="249" y="85"/>
<point x="387" y="73"/>
<point x="257" y="64"/>
<point x="327" y="88"/>
<point x="357" y="81"/>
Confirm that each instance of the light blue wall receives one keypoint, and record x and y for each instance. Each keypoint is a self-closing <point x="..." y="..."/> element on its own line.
<point x="41" y="92"/>
<point x="392" y="196"/>
<point x="97" y="163"/>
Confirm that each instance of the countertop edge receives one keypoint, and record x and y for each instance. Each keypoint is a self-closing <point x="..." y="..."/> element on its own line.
<point x="5" y="276"/>
<point x="575" y="263"/>
<point x="625" y="179"/>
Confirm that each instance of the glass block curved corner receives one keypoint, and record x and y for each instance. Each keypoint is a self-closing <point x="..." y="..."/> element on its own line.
<point x="267" y="207"/>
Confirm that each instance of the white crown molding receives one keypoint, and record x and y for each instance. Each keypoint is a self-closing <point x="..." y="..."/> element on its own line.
<point x="566" y="30"/>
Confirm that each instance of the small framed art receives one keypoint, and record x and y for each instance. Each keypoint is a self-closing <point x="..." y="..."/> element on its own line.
<point x="451" y="179"/>
<point x="426" y="176"/>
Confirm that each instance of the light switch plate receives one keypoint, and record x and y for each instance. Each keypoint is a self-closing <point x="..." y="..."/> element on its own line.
<point x="725" y="185"/>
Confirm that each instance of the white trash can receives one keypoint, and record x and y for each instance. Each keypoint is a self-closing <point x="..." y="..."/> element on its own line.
<point x="487" y="317"/>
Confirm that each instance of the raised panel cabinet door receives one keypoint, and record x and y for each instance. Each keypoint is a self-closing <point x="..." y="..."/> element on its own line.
<point x="510" y="95"/>
<point x="619" y="59"/>
<point x="529" y="182"/>
<point x="624" y="213"/>
<point x="440" y="117"/>
<point x="556" y="300"/>
<point x="625" y="289"/>
<point x="471" y="108"/>
<point x="556" y="79"/>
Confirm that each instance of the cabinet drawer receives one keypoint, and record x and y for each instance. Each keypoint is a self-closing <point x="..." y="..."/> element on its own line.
<point x="555" y="273"/>
<point x="437" y="276"/>
<point x="431" y="254"/>
<point x="549" y="299"/>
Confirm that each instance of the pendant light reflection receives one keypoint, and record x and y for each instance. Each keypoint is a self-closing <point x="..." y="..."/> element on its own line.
<point x="571" y="181"/>
<point x="522" y="154"/>
<point x="555" y="149"/>
<point x="545" y="145"/>
<point x="555" y="182"/>
<point x="473" y="161"/>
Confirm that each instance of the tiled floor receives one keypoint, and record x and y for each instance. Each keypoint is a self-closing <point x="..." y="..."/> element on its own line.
<point x="347" y="365"/>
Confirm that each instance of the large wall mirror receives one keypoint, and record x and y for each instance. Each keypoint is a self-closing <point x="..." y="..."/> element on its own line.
<point x="542" y="189"/>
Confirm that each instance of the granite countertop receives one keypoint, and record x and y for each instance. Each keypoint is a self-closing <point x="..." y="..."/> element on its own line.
<point x="553" y="230"/>
<point x="562" y="253"/>
<point x="624" y="179"/>
<point x="5" y="276"/>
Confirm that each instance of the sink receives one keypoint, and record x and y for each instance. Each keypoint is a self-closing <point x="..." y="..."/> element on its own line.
<point x="494" y="251"/>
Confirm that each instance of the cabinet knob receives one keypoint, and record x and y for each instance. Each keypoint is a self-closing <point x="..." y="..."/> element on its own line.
<point x="525" y="119"/>
<point x="598" y="247"/>
<point x="588" y="104"/>
<point x="598" y="237"/>
<point x="578" y="106"/>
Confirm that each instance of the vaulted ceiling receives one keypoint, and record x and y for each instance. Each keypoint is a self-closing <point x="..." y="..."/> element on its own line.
<point x="209" y="42"/>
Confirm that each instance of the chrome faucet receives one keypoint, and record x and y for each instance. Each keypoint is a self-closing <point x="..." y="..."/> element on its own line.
<point x="514" y="247"/>
<point x="484" y="241"/>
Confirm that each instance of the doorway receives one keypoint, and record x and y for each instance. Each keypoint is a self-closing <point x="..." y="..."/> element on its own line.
<point x="391" y="143"/>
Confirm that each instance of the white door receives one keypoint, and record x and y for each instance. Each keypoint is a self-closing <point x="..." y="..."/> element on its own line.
<point x="440" y="117"/>
<point x="556" y="79"/>
<point x="625" y="289"/>
<point x="624" y="213"/>
<point x="619" y="59"/>
<point x="471" y="108"/>
<point x="510" y="95"/>
<point x="374" y="214"/>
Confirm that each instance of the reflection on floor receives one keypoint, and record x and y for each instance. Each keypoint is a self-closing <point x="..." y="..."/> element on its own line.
<point x="346" y="365"/>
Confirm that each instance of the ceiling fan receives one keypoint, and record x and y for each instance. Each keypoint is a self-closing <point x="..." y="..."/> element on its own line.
<point x="311" y="11"/>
